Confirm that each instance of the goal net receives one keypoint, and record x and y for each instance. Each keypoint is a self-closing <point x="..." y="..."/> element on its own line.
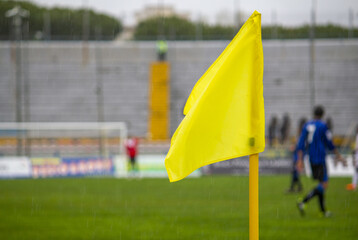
<point x="61" y="149"/>
<point x="66" y="139"/>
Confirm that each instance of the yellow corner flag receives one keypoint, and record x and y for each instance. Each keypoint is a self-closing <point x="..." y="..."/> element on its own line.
<point x="225" y="116"/>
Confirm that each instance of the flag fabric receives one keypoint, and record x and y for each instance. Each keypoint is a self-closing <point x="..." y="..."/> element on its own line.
<point x="225" y="116"/>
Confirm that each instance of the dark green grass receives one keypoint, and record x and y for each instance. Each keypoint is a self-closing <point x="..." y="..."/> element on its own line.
<point x="202" y="208"/>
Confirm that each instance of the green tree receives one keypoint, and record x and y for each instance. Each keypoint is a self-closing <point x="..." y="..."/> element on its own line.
<point x="175" y="28"/>
<point x="218" y="32"/>
<point x="170" y="28"/>
<point x="303" y="32"/>
<point x="66" y="24"/>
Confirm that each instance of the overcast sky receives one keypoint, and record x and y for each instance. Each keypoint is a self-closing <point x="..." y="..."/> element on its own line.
<point x="284" y="12"/>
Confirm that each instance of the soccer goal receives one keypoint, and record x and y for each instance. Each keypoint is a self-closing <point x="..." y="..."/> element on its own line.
<point x="62" y="139"/>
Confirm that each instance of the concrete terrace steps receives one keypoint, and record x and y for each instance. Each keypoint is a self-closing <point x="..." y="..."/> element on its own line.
<point x="63" y="82"/>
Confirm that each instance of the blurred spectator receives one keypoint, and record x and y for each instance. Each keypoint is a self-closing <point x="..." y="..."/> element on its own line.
<point x="162" y="49"/>
<point x="285" y="129"/>
<point x="329" y="123"/>
<point x="272" y="130"/>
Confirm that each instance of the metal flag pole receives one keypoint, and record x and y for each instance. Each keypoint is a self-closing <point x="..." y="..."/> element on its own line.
<point x="254" y="197"/>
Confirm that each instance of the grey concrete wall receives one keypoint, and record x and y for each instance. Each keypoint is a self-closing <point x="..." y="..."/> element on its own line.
<point x="286" y="80"/>
<point x="63" y="79"/>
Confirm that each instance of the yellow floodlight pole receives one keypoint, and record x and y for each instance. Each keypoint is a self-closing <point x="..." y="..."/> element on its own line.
<point x="254" y="197"/>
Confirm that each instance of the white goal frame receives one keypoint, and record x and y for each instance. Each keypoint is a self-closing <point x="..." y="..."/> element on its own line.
<point x="102" y="127"/>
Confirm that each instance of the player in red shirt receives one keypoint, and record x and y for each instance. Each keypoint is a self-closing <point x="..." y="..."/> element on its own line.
<point x="132" y="149"/>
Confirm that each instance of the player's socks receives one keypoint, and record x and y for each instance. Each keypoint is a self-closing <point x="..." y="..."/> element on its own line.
<point x="310" y="195"/>
<point x="290" y="190"/>
<point x="320" y="194"/>
<point x="316" y="191"/>
<point x="300" y="187"/>
<point x="292" y="185"/>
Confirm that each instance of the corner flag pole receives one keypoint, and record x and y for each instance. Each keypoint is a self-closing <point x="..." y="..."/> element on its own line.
<point x="254" y="197"/>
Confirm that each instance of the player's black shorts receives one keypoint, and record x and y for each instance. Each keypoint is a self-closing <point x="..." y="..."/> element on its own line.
<point x="319" y="172"/>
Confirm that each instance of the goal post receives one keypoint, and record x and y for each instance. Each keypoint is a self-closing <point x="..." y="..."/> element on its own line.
<point x="33" y="139"/>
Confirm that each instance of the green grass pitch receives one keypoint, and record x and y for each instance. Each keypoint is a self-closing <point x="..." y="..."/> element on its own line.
<point x="199" y="208"/>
